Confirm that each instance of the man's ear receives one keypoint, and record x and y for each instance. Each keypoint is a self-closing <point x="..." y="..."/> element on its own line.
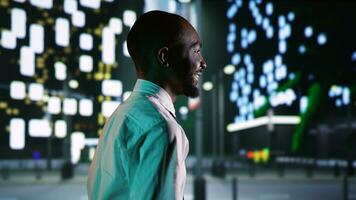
<point x="162" y="56"/>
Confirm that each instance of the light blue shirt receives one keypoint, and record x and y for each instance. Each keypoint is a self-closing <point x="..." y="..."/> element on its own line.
<point x="142" y="150"/>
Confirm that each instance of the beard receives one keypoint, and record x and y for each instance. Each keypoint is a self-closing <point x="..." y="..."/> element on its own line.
<point x="189" y="89"/>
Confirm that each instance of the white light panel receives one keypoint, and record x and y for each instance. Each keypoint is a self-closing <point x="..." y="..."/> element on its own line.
<point x="62" y="32"/>
<point x="70" y="6"/>
<point x="129" y="17"/>
<point x="78" y="19"/>
<point x="125" y="49"/>
<point x="17" y="90"/>
<point x="115" y="25"/>
<point x="85" y="63"/>
<point x="27" y="61"/>
<point x="91" y="141"/>
<point x="282" y="46"/>
<point x="77" y="144"/>
<point x="47" y="4"/>
<point x="8" y="39"/>
<point x="60" y="71"/>
<point x="60" y="129"/>
<point x="108" y="44"/>
<point x="17" y="134"/>
<point x="37" y="38"/>
<point x="18" y="22"/>
<point x="172" y="6"/>
<point x="70" y="106"/>
<point x="86" y="107"/>
<point x="283" y="120"/>
<point x="35" y="91"/>
<point x="108" y="107"/>
<point x="322" y="39"/>
<point x="54" y="105"/>
<point x="39" y="128"/>
<point x="86" y="41"/>
<point x="308" y="31"/>
<point x="303" y="104"/>
<point x="111" y="88"/>
<point x="94" y="4"/>
<point x="269" y="8"/>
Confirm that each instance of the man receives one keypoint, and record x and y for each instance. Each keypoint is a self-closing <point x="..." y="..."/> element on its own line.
<point x="141" y="153"/>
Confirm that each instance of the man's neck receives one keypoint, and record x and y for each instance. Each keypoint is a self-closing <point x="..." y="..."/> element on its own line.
<point x="170" y="92"/>
<point x="163" y="85"/>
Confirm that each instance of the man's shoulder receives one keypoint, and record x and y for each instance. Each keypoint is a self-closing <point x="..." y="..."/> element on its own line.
<point x="138" y="109"/>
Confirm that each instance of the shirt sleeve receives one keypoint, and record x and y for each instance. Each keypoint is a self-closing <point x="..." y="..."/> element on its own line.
<point x="152" y="165"/>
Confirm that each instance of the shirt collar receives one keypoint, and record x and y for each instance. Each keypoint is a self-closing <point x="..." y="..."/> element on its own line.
<point x="153" y="89"/>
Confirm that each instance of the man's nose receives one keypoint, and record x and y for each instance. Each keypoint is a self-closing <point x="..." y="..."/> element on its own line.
<point x="203" y="64"/>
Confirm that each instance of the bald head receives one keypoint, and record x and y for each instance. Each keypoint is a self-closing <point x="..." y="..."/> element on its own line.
<point x="166" y="50"/>
<point x="152" y="31"/>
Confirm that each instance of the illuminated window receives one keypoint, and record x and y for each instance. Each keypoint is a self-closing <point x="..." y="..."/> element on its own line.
<point x="94" y="4"/>
<point x="62" y="32"/>
<point x="108" y="42"/>
<point x="47" y="4"/>
<point x="18" y="22"/>
<point x="172" y="6"/>
<point x="129" y="17"/>
<point x="37" y="38"/>
<point x="60" y="129"/>
<point x="70" y="6"/>
<point x="269" y="32"/>
<point x="111" y="88"/>
<point x="70" y="106"/>
<point x="17" y="134"/>
<point x="308" y="31"/>
<point x="108" y="107"/>
<point x="54" y="105"/>
<point x="322" y="39"/>
<point x="78" y="19"/>
<point x="60" y="71"/>
<point x="35" y="91"/>
<point x="85" y="41"/>
<point x="17" y="90"/>
<point x="282" y="46"/>
<point x="8" y="39"/>
<point x="85" y="107"/>
<point x="281" y="21"/>
<point x="303" y="104"/>
<point x="77" y="140"/>
<point x="236" y="58"/>
<point x="115" y="25"/>
<point x="291" y="16"/>
<point x="232" y="11"/>
<point x="27" y="61"/>
<point x="125" y="49"/>
<point x="39" y="128"/>
<point x="85" y="63"/>
<point x="231" y="37"/>
<point x="346" y="96"/>
<point x="251" y="37"/>
<point x="269" y="8"/>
